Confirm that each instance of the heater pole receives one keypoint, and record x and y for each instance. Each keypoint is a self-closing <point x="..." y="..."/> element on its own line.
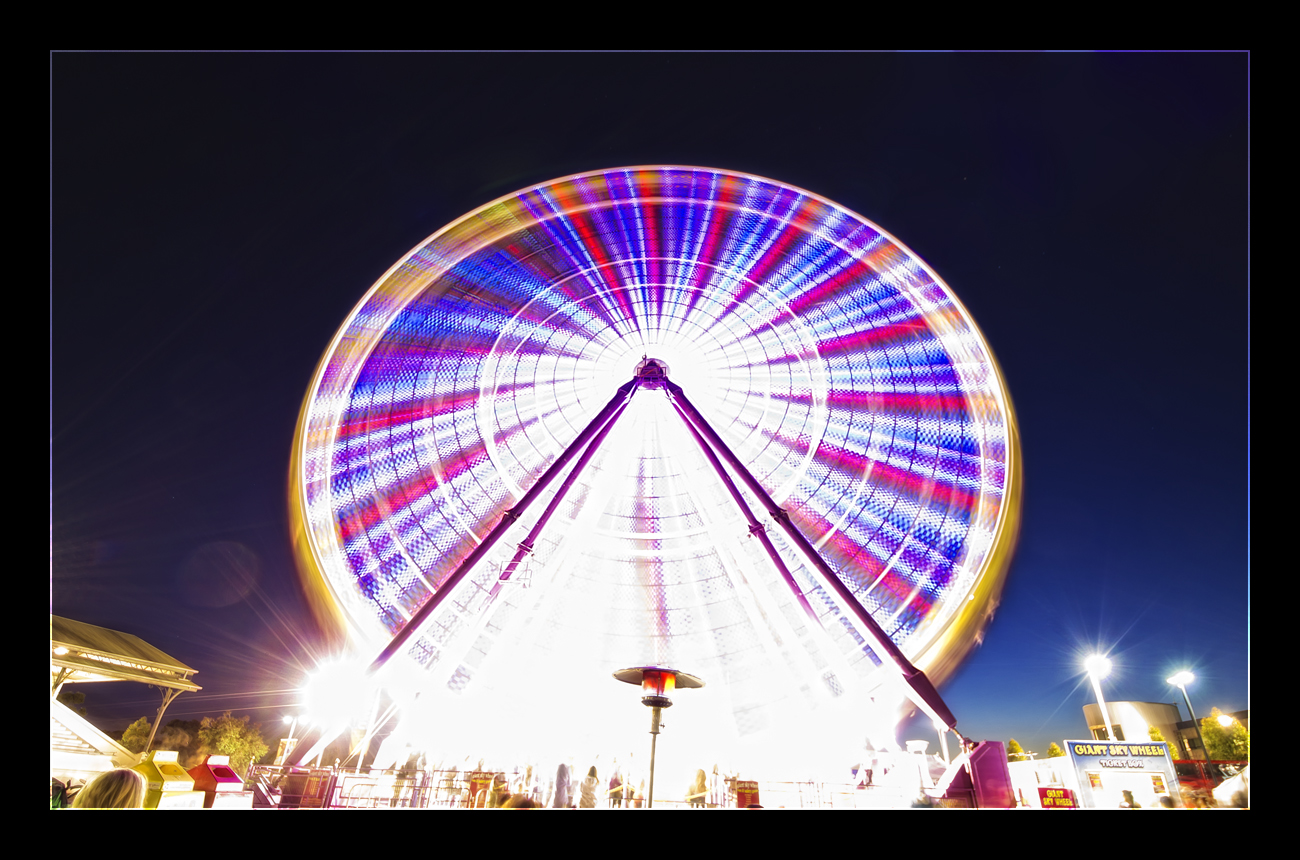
<point x="654" y="737"/>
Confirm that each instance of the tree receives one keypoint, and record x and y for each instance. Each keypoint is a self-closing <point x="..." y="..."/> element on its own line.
<point x="137" y="735"/>
<point x="227" y="735"/>
<point x="183" y="737"/>
<point x="73" y="700"/>
<point x="1055" y="751"/>
<point x="1231" y="743"/>
<point x="1014" y="752"/>
<point x="1158" y="736"/>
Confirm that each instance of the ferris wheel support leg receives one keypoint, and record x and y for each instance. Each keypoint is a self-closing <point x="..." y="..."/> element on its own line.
<point x="526" y="545"/>
<point x="755" y="527"/>
<point x="508" y="519"/>
<point x="923" y="691"/>
<point x="603" y="420"/>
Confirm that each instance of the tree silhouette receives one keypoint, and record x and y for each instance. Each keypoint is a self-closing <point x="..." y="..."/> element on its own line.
<point x="1230" y="743"/>
<point x="232" y="736"/>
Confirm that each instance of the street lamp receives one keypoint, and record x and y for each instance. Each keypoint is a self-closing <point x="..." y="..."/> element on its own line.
<point x="289" y="743"/>
<point x="1099" y="667"/>
<point x="1181" y="680"/>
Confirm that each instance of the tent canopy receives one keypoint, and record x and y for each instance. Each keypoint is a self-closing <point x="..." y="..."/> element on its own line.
<point x="82" y="653"/>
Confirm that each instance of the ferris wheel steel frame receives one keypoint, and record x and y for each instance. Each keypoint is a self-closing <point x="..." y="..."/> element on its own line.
<point x="781" y="279"/>
<point x="587" y="442"/>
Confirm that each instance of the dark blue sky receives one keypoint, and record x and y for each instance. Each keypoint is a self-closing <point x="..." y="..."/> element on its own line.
<point x="216" y="216"/>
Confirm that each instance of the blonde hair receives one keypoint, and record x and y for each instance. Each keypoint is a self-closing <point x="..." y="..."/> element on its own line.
<point x="113" y="789"/>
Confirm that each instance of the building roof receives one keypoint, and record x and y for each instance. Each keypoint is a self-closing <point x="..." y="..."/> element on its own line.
<point x="84" y="653"/>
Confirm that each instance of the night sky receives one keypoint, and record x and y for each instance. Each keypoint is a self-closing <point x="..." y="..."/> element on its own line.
<point x="215" y="217"/>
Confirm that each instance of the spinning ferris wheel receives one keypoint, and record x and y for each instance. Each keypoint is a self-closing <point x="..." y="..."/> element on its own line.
<point x="661" y="416"/>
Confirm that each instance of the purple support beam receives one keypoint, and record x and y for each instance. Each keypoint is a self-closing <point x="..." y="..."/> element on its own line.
<point x="597" y="425"/>
<point x="526" y="545"/>
<point x="615" y="405"/>
<point x="755" y="527"/>
<point x="928" y="696"/>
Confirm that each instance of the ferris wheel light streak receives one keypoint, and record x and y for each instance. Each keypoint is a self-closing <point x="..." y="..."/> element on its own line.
<point x="840" y="371"/>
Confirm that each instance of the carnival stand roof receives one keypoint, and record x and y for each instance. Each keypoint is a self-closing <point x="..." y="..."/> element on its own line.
<point x="91" y="653"/>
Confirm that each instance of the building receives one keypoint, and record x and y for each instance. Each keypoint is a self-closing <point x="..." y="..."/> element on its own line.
<point x="1132" y="721"/>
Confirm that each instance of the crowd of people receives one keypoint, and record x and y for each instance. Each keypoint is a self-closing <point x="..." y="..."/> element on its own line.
<point x="528" y="789"/>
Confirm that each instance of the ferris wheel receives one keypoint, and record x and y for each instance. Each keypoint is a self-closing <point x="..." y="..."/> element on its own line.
<point x="833" y="385"/>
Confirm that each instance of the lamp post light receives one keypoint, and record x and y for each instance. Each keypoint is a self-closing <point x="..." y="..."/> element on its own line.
<point x="1099" y="667"/>
<point x="289" y="742"/>
<point x="1181" y="680"/>
<point x="656" y="683"/>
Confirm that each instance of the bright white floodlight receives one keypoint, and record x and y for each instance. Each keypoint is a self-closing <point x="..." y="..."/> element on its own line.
<point x="1097" y="666"/>
<point x="337" y="694"/>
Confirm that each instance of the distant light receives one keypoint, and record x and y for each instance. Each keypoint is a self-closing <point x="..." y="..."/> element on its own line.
<point x="60" y="650"/>
<point x="1182" y="679"/>
<point x="1226" y="720"/>
<point x="1097" y="666"/>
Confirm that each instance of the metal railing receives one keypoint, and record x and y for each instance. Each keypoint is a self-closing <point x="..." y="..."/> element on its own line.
<point x="350" y="788"/>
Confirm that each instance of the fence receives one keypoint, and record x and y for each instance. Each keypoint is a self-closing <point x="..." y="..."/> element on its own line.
<point x="349" y="788"/>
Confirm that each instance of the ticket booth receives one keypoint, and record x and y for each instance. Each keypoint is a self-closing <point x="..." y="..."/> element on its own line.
<point x="1117" y="775"/>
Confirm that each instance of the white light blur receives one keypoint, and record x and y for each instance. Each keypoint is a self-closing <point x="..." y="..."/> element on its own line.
<point x="1097" y="665"/>
<point x="1182" y="679"/>
<point x="541" y="690"/>
<point x="338" y="694"/>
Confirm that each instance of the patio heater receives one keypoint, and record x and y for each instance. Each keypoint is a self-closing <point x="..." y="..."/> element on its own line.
<point x="656" y="683"/>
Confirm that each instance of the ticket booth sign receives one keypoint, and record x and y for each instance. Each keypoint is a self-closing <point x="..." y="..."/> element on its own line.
<point x="1113" y="774"/>
<point x="1056" y="798"/>
<point x="746" y="793"/>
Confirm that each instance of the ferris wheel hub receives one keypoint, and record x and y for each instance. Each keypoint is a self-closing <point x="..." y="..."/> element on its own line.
<point x="652" y="373"/>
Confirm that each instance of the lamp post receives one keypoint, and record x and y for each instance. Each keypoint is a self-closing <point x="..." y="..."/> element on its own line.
<point x="1181" y="680"/>
<point x="656" y="683"/>
<point x="289" y="742"/>
<point x="1099" y="667"/>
